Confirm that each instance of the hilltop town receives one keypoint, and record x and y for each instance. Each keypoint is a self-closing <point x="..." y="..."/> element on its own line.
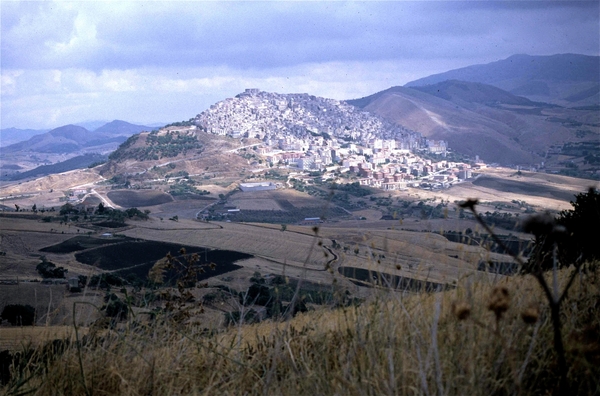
<point x="325" y="135"/>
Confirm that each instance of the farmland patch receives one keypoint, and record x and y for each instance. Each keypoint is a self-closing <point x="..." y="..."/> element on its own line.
<point x="521" y="187"/>
<point x="289" y="216"/>
<point x="365" y="277"/>
<point x="139" y="198"/>
<point x="81" y="242"/>
<point x="256" y="204"/>
<point x="137" y="257"/>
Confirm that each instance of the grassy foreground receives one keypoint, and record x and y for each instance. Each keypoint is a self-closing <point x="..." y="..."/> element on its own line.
<point x="478" y="339"/>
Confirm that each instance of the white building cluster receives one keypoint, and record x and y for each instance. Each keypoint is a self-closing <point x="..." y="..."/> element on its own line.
<point x="318" y="134"/>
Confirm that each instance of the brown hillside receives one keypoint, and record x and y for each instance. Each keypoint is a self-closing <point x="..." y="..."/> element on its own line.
<point x="477" y="119"/>
<point x="466" y="131"/>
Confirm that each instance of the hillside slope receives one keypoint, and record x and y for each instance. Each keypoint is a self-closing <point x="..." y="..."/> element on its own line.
<point x="479" y="119"/>
<point x="10" y="136"/>
<point x="564" y="79"/>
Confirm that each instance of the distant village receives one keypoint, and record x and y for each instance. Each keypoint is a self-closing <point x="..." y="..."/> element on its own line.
<point x="315" y="134"/>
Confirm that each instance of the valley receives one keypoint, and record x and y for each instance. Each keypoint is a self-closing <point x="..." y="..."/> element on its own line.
<point x="264" y="186"/>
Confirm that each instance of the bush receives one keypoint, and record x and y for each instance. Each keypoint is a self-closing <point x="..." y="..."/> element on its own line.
<point x="46" y="269"/>
<point x="105" y="280"/>
<point x="117" y="309"/>
<point x="574" y="232"/>
<point x="18" y="314"/>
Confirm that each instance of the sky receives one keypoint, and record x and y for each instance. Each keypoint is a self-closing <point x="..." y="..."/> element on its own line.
<point x="149" y="62"/>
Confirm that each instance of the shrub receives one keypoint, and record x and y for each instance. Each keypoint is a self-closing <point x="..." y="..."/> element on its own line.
<point x="46" y="269"/>
<point x="117" y="309"/>
<point x="574" y="232"/>
<point x="18" y="314"/>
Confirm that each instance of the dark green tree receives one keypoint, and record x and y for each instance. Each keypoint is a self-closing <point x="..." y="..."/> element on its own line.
<point x="573" y="234"/>
<point x="17" y="314"/>
<point x="46" y="269"/>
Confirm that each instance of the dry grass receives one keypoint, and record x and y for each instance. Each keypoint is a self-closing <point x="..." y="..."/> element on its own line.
<point x="443" y="343"/>
<point x="15" y="338"/>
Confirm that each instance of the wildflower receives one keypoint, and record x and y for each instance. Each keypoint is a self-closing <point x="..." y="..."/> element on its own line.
<point x="499" y="301"/>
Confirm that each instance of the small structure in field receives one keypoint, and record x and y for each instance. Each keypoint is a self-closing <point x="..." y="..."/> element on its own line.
<point x="311" y="221"/>
<point x="74" y="285"/>
<point x="264" y="186"/>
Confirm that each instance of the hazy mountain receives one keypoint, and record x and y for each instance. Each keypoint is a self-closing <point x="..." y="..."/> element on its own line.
<point x="10" y="136"/>
<point x="71" y="138"/>
<point x="479" y="119"/>
<point x="91" y="125"/>
<point x="565" y="79"/>
<point x="121" y="128"/>
<point x="464" y="92"/>
<point x="81" y="161"/>
<point x="63" y="139"/>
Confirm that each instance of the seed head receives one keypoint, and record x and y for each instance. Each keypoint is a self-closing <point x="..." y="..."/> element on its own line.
<point x="461" y="310"/>
<point x="499" y="301"/>
<point x="530" y="315"/>
<point x="469" y="204"/>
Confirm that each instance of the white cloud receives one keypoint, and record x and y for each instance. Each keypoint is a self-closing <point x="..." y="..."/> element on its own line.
<point x="164" y="61"/>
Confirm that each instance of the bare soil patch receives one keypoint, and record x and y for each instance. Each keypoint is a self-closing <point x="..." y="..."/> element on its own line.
<point x="266" y="203"/>
<point x="139" y="198"/>
<point x="138" y="257"/>
<point x="523" y="187"/>
<point x="368" y="278"/>
<point x="82" y="243"/>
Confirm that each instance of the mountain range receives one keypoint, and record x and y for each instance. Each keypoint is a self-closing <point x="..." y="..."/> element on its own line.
<point x="472" y="109"/>
<point x="10" y="136"/>
<point x="60" y="145"/>
<point x="565" y="79"/>
<point x="70" y="138"/>
<point x="520" y="110"/>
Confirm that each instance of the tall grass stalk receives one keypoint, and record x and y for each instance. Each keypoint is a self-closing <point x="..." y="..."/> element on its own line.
<point x="393" y="344"/>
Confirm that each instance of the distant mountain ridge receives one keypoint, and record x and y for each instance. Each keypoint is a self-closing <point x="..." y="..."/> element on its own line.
<point x="79" y="162"/>
<point x="470" y="92"/>
<point x="564" y="79"/>
<point x="62" y="149"/>
<point x="10" y="136"/>
<point x="480" y="119"/>
<point x="69" y="138"/>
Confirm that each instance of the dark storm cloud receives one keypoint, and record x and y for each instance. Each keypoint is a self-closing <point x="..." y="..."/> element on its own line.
<point x="265" y="35"/>
<point x="67" y="61"/>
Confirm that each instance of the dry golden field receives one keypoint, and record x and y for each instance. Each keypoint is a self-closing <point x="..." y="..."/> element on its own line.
<point x="399" y="344"/>
<point x="543" y="191"/>
<point x="18" y="338"/>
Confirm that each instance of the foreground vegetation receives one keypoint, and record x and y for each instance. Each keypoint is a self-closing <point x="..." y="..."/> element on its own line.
<point x="480" y="338"/>
<point x="533" y="333"/>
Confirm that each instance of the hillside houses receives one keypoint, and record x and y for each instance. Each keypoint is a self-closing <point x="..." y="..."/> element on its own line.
<point x="316" y="134"/>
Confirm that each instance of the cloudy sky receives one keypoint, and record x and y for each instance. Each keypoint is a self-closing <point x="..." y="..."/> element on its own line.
<point x="152" y="61"/>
